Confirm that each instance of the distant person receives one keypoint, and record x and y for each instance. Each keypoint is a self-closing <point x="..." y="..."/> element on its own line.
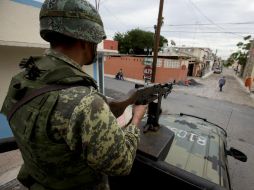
<point x="222" y="82"/>
<point x="248" y="83"/>
<point x="236" y="69"/>
<point x="119" y="75"/>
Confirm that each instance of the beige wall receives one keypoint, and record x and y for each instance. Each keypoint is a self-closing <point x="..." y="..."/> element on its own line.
<point x="9" y="64"/>
<point x="19" y="24"/>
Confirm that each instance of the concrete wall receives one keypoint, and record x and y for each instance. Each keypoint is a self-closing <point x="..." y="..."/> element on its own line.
<point x="20" y="24"/>
<point x="133" y="67"/>
<point x="110" y="45"/>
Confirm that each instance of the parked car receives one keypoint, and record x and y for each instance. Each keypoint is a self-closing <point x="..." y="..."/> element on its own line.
<point x="187" y="152"/>
<point x="217" y="70"/>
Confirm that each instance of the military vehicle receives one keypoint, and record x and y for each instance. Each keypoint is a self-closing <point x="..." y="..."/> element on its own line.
<point x="187" y="152"/>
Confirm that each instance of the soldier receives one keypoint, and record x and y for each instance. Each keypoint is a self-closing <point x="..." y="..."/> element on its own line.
<point x="68" y="137"/>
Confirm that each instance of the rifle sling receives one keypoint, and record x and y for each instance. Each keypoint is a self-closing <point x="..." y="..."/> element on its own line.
<point x="35" y="93"/>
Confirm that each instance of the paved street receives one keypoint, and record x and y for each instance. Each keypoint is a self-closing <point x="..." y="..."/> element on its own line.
<point x="232" y="91"/>
<point x="232" y="109"/>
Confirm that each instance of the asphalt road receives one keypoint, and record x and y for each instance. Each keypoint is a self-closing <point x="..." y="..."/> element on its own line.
<point x="236" y="118"/>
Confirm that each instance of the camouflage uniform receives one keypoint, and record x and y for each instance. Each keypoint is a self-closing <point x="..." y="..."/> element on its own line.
<point x="72" y="142"/>
<point x="106" y="147"/>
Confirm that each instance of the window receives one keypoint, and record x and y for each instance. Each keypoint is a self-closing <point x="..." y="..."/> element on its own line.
<point x="159" y="62"/>
<point x="171" y="63"/>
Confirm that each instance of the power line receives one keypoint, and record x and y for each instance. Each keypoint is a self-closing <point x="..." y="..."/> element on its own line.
<point x="116" y="18"/>
<point x="207" y="24"/>
<point x="208" y="32"/>
<point x="209" y="20"/>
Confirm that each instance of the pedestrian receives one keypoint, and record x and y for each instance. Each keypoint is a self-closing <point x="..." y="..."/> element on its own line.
<point x="119" y="75"/>
<point x="248" y="83"/>
<point x="222" y="82"/>
<point x="236" y="69"/>
<point x="68" y="137"/>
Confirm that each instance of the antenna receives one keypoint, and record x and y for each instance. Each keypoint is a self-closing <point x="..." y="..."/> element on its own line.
<point x="97" y="4"/>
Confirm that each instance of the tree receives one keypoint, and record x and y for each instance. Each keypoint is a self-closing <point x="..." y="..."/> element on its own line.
<point x="230" y="61"/>
<point x="136" y="40"/>
<point x="241" y="55"/>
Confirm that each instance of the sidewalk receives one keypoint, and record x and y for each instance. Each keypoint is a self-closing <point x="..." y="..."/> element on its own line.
<point x="10" y="163"/>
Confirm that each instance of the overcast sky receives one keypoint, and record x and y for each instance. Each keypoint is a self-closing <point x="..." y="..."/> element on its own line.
<point x="217" y="24"/>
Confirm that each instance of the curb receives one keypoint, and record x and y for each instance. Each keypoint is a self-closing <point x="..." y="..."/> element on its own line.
<point x="127" y="79"/>
<point x="207" y="75"/>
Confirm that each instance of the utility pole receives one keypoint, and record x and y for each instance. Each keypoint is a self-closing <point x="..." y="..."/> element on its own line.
<point x="157" y="41"/>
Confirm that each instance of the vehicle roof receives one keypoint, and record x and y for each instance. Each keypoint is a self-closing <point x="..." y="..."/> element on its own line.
<point x="198" y="147"/>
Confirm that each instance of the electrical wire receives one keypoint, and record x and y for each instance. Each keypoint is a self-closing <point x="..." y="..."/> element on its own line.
<point x="207" y="24"/>
<point x="207" y="32"/>
<point x="209" y="20"/>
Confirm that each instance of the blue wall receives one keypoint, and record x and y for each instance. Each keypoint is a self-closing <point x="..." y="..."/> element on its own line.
<point x="29" y="2"/>
<point x="5" y="130"/>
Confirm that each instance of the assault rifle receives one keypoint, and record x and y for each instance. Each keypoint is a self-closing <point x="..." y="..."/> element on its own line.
<point x="143" y="95"/>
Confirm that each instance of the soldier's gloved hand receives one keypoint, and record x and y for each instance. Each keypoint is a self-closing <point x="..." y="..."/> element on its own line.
<point x="138" y="113"/>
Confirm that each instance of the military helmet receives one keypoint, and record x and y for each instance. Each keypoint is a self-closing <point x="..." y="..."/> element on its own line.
<point x="73" y="18"/>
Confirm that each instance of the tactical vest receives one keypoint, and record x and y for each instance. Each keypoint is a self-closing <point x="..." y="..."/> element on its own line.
<point x="30" y="121"/>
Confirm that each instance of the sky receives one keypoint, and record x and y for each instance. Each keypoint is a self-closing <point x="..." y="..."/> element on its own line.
<point x="216" y="24"/>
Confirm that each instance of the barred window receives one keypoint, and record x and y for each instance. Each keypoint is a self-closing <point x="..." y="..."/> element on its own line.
<point x="171" y="63"/>
<point x="159" y="62"/>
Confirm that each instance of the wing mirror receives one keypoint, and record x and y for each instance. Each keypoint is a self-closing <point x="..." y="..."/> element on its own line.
<point x="237" y="154"/>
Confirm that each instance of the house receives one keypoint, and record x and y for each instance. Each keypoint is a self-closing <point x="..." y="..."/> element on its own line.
<point x="169" y="68"/>
<point x="201" y="59"/>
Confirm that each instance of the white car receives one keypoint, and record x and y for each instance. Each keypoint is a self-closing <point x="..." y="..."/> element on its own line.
<point x="217" y="70"/>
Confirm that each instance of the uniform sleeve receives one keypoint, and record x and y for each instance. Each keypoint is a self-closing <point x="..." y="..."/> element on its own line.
<point x="107" y="147"/>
